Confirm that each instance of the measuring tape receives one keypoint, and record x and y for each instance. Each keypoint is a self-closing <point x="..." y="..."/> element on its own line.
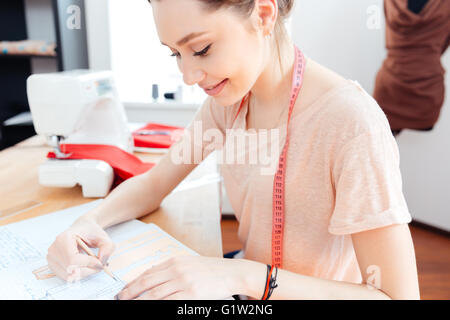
<point x="278" y="207"/>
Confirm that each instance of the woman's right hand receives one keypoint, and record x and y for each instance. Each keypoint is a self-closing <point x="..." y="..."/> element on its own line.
<point x="68" y="261"/>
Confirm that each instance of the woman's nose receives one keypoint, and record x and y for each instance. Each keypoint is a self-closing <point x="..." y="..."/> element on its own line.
<point x="192" y="75"/>
<point x="191" y="78"/>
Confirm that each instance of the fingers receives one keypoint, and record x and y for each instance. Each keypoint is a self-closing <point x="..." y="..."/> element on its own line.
<point x="61" y="250"/>
<point x="65" y="257"/>
<point x="160" y="292"/>
<point x="153" y="269"/>
<point x="143" y="283"/>
<point x="80" y="267"/>
<point x="106" y="249"/>
<point x="104" y="244"/>
<point x="65" y="245"/>
<point x="57" y="269"/>
<point x="179" y="295"/>
<point x="83" y="260"/>
<point x="164" y="264"/>
<point x="80" y="273"/>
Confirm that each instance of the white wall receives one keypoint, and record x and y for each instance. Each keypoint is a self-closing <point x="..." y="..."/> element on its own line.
<point x="98" y="35"/>
<point x="336" y="34"/>
<point x="425" y="166"/>
<point x="342" y="36"/>
<point x="170" y="113"/>
<point x="138" y="58"/>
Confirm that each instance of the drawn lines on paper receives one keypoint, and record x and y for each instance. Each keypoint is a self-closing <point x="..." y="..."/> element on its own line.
<point x="139" y="253"/>
<point x="94" y="287"/>
<point x="15" y="250"/>
<point x="131" y="257"/>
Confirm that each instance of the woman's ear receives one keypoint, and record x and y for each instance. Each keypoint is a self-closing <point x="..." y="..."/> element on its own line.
<point x="267" y="14"/>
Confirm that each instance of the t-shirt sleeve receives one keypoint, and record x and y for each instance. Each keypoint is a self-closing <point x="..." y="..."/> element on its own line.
<point x="205" y="133"/>
<point x="368" y="185"/>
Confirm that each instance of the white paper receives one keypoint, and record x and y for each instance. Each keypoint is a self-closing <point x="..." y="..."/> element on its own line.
<point x="24" y="245"/>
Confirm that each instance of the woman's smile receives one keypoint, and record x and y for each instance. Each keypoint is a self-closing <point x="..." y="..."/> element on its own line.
<point x="215" y="90"/>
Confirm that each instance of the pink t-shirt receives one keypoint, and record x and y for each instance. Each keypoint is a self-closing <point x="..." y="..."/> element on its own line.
<point x="342" y="177"/>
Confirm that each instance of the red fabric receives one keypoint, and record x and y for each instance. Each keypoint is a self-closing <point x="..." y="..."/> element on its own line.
<point x="157" y="141"/>
<point x="124" y="164"/>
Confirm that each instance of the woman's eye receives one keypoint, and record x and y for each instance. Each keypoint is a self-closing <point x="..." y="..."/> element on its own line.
<point x="203" y="52"/>
<point x="200" y="53"/>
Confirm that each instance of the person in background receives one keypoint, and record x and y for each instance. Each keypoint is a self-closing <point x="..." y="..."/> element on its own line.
<point x="346" y="233"/>
<point x="409" y="86"/>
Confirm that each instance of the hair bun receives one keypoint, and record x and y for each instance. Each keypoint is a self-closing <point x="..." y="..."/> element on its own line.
<point x="285" y="7"/>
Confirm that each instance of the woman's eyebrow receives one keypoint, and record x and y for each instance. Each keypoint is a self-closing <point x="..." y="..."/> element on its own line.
<point x="187" y="38"/>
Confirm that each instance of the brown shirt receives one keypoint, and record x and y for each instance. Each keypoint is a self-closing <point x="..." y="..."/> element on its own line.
<point x="410" y="84"/>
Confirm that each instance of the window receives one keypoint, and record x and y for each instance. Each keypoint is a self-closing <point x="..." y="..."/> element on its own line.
<point x="139" y="60"/>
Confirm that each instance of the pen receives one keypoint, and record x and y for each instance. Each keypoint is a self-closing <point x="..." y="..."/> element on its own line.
<point x="86" y="249"/>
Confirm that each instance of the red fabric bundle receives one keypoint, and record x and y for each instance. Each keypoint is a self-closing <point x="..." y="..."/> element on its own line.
<point x="124" y="164"/>
<point x="158" y="136"/>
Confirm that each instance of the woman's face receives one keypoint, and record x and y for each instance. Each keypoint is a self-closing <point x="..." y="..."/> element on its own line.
<point x="228" y="49"/>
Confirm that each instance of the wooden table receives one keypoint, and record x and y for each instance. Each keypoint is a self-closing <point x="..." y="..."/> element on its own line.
<point x="191" y="216"/>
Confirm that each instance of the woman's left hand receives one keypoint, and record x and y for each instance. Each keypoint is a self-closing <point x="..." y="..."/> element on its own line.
<point x="185" y="278"/>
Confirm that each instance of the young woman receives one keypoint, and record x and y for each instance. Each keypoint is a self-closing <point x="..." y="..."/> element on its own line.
<point x="344" y="225"/>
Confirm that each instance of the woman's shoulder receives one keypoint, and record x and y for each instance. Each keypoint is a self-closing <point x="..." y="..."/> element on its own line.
<point x="344" y="105"/>
<point x="355" y="111"/>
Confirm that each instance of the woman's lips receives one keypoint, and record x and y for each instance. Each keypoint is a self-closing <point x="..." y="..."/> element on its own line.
<point x="217" y="89"/>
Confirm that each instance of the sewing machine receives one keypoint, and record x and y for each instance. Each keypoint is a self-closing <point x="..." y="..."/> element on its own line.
<point x="78" y="107"/>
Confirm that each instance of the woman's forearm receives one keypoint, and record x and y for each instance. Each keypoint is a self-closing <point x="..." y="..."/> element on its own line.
<point x="296" y="286"/>
<point x="141" y="194"/>
<point x="132" y="199"/>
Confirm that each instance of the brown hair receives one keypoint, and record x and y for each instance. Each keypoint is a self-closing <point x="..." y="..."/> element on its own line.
<point x="245" y="8"/>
